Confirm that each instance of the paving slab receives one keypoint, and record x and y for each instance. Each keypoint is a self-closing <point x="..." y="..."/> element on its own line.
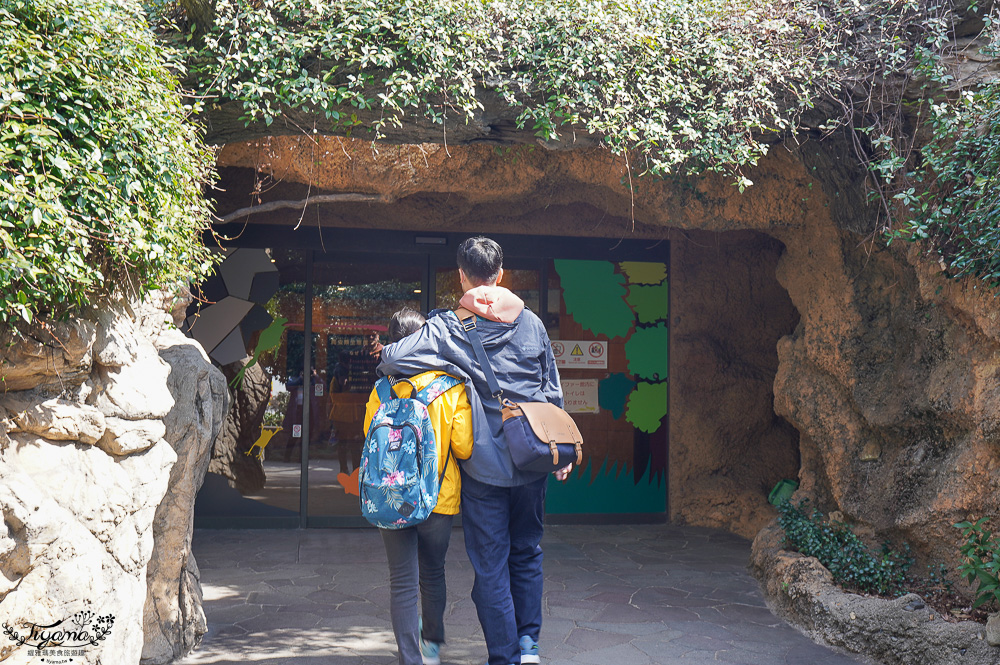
<point x="624" y="595"/>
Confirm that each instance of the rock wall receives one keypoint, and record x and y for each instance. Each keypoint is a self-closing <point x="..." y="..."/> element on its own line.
<point x="86" y="426"/>
<point x="173" y="620"/>
<point x="896" y="393"/>
<point x="728" y="447"/>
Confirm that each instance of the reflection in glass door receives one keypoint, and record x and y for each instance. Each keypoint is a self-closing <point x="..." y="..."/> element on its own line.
<point x="352" y="302"/>
<point x="257" y="475"/>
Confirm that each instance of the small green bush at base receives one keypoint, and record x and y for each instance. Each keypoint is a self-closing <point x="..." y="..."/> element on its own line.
<point x="852" y="564"/>
<point x="981" y="561"/>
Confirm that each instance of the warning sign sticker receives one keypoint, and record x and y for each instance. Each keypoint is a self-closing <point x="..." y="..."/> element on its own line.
<point x="580" y="354"/>
<point x="580" y="395"/>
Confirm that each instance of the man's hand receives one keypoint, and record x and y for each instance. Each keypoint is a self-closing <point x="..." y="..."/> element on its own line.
<point x="563" y="473"/>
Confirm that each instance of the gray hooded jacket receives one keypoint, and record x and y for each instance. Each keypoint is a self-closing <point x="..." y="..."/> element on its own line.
<point x="522" y="360"/>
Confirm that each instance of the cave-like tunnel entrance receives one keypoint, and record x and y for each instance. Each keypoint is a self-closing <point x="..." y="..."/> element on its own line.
<point x="665" y="340"/>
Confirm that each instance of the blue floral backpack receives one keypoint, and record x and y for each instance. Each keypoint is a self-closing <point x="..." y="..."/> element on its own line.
<point x="399" y="480"/>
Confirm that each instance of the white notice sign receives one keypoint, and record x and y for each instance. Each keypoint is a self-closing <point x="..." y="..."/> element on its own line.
<point x="580" y="395"/>
<point x="580" y="354"/>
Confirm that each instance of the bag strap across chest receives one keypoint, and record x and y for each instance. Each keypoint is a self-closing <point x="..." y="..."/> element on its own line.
<point x="468" y="321"/>
<point x="550" y="423"/>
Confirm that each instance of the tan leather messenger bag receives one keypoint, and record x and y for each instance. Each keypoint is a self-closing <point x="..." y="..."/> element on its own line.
<point x="540" y="435"/>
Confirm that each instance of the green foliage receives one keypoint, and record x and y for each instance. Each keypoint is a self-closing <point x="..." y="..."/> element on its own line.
<point x="101" y="173"/>
<point x="937" y="578"/>
<point x="852" y="564"/>
<point x="674" y="85"/>
<point x="698" y="83"/>
<point x="953" y="201"/>
<point x="946" y="192"/>
<point x="981" y="561"/>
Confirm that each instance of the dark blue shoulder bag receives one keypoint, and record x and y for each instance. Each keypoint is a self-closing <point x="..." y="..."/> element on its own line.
<point x="540" y="435"/>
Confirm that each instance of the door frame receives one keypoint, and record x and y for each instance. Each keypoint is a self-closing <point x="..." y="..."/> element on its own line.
<point x="437" y="251"/>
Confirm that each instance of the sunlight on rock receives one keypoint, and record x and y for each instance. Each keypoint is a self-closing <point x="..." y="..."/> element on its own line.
<point x="215" y="592"/>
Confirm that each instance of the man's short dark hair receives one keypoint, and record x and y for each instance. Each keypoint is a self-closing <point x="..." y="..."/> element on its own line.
<point x="405" y="322"/>
<point x="480" y="259"/>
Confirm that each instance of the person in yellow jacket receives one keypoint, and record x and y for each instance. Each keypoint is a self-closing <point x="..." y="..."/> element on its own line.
<point x="416" y="553"/>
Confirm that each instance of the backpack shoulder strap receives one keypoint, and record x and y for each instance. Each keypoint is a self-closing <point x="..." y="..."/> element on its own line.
<point x="383" y="390"/>
<point x="436" y="388"/>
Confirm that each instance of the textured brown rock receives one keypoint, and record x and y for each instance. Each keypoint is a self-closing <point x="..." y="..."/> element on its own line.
<point x="241" y="429"/>
<point x="728" y="448"/>
<point x="54" y="357"/>
<point x="874" y="362"/>
<point x="515" y="190"/>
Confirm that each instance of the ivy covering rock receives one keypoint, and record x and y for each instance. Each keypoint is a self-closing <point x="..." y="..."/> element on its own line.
<point x="677" y="86"/>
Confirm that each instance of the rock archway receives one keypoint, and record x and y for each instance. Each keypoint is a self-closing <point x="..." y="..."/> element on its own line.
<point x="801" y="345"/>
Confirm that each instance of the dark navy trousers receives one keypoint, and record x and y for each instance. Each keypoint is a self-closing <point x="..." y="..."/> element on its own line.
<point x="503" y="531"/>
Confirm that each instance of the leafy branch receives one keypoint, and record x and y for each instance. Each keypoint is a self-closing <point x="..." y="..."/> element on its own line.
<point x="981" y="561"/>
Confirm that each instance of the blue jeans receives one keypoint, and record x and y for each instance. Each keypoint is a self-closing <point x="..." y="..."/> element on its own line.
<point x="417" y="553"/>
<point x="503" y="529"/>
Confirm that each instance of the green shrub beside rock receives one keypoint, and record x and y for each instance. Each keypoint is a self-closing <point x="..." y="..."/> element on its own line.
<point x="101" y="173"/>
<point x="852" y="564"/>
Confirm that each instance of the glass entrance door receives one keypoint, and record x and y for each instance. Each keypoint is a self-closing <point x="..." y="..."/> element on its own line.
<point x="353" y="299"/>
<point x="605" y="308"/>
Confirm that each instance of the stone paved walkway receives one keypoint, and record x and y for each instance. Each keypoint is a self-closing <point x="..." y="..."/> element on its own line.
<point x="620" y="595"/>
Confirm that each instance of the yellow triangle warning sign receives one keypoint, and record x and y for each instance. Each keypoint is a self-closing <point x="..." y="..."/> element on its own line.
<point x="577" y="351"/>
